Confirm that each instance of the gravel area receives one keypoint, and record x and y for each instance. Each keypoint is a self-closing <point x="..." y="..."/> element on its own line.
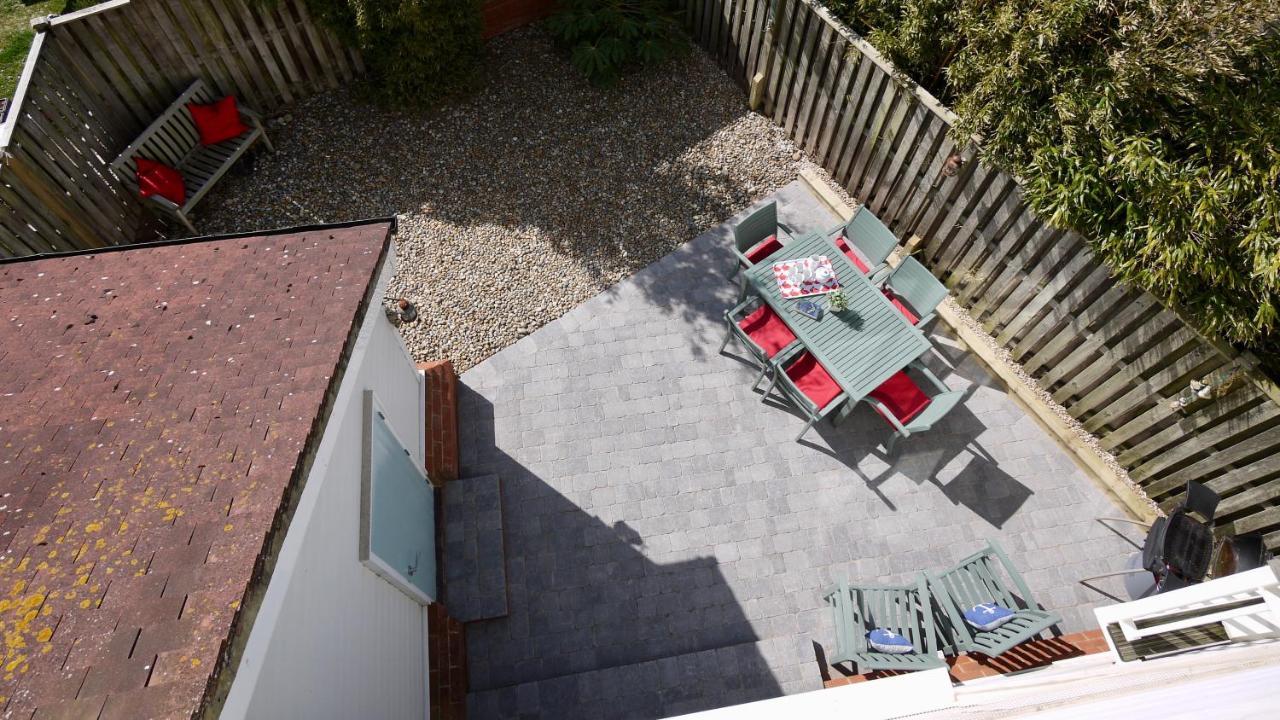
<point x="527" y="198"/>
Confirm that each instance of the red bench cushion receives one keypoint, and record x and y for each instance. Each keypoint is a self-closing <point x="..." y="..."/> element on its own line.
<point x="159" y="179"/>
<point x="767" y="330"/>
<point x="813" y="380"/>
<point x="853" y="256"/>
<point x="217" y="122"/>
<point x="766" y="248"/>
<point x="902" y="396"/>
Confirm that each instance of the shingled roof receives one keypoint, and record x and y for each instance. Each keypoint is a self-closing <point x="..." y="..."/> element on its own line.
<point x="156" y="407"/>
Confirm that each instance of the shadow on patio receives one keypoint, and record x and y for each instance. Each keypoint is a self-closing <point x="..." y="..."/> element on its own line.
<point x="593" y="627"/>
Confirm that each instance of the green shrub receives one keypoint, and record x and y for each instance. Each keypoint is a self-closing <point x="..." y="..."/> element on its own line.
<point x="416" y="52"/>
<point x="1149" y="126"/>
<point x="609" y="37"/>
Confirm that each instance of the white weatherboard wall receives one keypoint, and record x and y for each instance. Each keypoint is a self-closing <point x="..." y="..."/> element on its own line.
<point x="332" y="639"/>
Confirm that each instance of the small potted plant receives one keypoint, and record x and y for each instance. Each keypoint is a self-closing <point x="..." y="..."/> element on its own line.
<point x="837" y="301"/>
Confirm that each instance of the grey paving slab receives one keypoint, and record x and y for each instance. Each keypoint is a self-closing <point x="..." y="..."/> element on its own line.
<point x="657" y="511"/>
<point x="475" y="576"/>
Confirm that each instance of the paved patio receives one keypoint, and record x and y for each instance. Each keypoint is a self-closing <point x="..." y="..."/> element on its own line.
<point x="667" y="541"/>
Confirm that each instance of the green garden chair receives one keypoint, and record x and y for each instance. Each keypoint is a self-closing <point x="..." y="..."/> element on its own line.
<point x="907" y="407"/>
<point x="761" y="330"/>
<point x="805" y="385"/>
<point x="914" y="291"/>
<point x="865" y="241"/>
<point x="978" y="579"/>
<point x="905" y="611"/>
<point x="756" y="237"/>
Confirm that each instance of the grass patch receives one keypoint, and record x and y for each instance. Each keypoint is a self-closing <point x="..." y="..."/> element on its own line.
<point x="16" y="35"/>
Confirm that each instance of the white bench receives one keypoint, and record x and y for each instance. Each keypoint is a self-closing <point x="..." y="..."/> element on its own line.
<point x="173" y="140"/>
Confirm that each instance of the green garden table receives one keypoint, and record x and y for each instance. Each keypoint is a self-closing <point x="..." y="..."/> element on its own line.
<point x="862" y="346"/>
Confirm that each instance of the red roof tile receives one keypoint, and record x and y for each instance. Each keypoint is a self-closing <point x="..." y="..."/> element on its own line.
<point x="155" y="403"/>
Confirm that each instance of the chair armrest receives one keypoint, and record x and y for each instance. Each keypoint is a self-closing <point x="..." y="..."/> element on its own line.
<point x="791" y="234"/>
<point x="741" y="307"/>
<point x="252" y="114"/>
<point x="926" y="319"/>
<point x="787" y="353"/>
<point x="743" y="258"/>
<point x="165" y="203"/>
<point x="835" y="229"/>
<point x="923" y="369"/>
<point x="884" y="412"/>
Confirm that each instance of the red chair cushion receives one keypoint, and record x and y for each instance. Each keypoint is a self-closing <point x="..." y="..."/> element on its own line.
<point x="813" y="380"/>
<point x="902" y="396"/>
<point x="217" y="122"/>
<point x="159" y="179"/>
<point x="767" y="330"/>
<point x="853" y="256"/>
<point x="766" y="248"/>
<point x="903" y="308"/>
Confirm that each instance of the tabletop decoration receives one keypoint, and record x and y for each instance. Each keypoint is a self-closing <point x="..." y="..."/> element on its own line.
<point x="805" y="276"/>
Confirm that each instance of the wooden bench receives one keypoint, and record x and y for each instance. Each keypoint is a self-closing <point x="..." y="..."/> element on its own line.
<point x="173" y="140"/>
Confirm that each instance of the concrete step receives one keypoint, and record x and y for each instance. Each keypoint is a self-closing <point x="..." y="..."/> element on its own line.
<point x="475" y="565"/>
<point x="667" y="686"/>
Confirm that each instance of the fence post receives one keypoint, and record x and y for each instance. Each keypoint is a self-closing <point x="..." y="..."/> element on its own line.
<point x="756" y="97"/>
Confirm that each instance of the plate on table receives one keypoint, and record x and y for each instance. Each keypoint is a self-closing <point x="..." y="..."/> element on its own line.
<point x="805" y="276"/>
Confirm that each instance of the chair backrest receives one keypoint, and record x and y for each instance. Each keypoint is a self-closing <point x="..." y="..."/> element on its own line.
<point x="914" y="283"/>
<point x="939" y="406"/>
<point x="756" y="227"/>
<point x="1201" y="500"/>
<point x="871" y="236"/>
<point x="169" y="139"/>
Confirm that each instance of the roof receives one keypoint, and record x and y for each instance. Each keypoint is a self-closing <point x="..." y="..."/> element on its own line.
<point x="156" y="406"/>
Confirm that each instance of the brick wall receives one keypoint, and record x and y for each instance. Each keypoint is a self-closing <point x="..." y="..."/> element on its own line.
<point x="1031" y="654"/>
<point x="447" y="655"/>
<point x="442" y="421"/>
<point x="503" y="15"/>
<point x="446" y="646"/>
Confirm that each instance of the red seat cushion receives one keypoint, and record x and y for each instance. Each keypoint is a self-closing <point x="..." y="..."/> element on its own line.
<point x="767" y="330"/>
<point x="217" y="122"/>
<point x="766" y="248"/>
<point x="902" y="306"/>
<point x="813" y="380"/>
<point x="902" y="396"/>
<point x="159" y="179"/>
<point x="853" y="256"/>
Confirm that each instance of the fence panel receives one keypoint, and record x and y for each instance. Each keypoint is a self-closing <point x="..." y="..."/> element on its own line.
<point x="96" y="78"/>
<point x="1113" y="357"/>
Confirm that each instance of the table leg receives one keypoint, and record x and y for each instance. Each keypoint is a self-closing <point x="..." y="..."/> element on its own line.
<point x="845" y="411"/>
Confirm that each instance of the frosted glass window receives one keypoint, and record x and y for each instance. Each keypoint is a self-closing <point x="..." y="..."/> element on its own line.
<point x="398" y="528"/>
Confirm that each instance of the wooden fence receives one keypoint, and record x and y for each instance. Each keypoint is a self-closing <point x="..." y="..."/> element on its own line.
<point x="1113" y="356"/>
<point x="94" y="79"/>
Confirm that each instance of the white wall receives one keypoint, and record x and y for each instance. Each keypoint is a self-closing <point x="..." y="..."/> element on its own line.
<point x="332" y="639"/>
